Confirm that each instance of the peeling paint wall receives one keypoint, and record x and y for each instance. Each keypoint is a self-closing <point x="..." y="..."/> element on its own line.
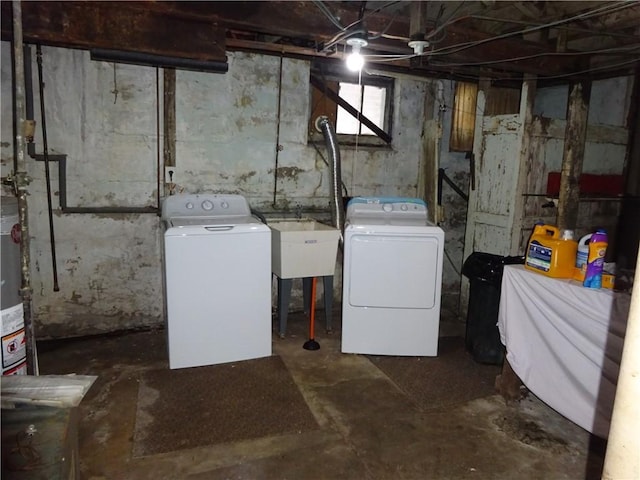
<point x="454" y="207"/>
<point x="106" y="120"/>
<point x="605" y="152"/>
<point x="227" y="131"/>
<point x="501" y="159"/>
<point x="109" y="266"/>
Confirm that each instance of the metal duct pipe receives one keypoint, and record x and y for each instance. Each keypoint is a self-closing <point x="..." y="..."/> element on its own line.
<point x="337" y="215"/>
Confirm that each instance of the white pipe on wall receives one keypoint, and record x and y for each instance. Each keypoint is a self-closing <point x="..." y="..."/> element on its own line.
<point x="622" y="459"/>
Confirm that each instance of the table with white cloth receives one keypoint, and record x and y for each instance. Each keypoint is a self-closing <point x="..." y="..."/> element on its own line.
<point x="564" y="341"/>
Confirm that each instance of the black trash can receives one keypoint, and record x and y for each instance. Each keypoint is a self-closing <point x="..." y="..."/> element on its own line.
<point x="482" y="338"/>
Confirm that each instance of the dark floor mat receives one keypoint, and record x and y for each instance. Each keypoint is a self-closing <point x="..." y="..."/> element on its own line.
<point x="448" y="379"/>
<point x="187" y="408"/>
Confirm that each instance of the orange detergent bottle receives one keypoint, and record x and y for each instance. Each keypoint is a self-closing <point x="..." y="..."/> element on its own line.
<point x="551" y="254"/>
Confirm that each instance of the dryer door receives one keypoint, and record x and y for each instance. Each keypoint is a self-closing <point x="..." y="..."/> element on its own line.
<point x="394" y="271"/>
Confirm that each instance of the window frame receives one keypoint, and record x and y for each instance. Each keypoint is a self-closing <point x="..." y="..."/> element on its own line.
<point x="365" y="140"/>
<point x="361" y="125"/>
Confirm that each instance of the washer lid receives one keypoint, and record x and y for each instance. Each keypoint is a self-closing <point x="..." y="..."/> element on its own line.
<point x="387" y="211"/>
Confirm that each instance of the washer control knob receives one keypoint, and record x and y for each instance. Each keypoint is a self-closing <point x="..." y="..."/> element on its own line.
<point x="207" y="205"/>
<point x="404" y="207"/>
<point x="387" y="207"/>
<point x="189" y="206"/>
<point x="224" y="204"/>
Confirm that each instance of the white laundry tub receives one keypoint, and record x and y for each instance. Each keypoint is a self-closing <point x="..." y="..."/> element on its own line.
<point x="303" y="248"/>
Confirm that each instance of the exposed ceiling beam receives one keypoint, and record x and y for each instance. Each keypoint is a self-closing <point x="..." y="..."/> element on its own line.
<point x="197" y="30"/>
<point x="114" y="26"/>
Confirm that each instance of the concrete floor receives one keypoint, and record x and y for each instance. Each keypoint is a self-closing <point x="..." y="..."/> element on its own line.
<point x="379" y="434"/>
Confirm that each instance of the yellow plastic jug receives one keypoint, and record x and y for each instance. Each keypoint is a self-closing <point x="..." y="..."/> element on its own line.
<point x="550" y="254"/>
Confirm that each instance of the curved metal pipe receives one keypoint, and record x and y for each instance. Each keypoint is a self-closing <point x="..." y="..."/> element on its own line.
<point x="337" y="215"/>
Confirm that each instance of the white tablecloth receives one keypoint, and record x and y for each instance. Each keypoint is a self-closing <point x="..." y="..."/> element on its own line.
<point x="564" y="341"/>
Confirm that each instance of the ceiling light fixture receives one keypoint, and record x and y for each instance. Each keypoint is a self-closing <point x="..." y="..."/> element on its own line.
<point x="355" y="61"/>
<point x="418" y="46"/>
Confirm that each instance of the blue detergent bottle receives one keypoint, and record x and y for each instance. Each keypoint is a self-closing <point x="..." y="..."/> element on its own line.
<point x="595" y="260"/>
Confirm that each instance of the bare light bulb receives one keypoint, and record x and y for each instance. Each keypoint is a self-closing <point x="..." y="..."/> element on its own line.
<point x="355" y="61"/>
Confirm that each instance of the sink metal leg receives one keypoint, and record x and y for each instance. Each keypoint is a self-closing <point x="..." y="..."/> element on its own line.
<point x="327" y="282"/>
<point x="306" y="294"/>
<point x="284" y="296"/>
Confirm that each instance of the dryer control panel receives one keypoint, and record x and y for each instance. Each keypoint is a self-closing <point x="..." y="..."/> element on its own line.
<point x="396" y="209"/>
<point x="205" y="205"/>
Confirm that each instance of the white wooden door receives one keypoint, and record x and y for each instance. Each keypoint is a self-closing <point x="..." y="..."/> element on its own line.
<point x="500" y="149"/>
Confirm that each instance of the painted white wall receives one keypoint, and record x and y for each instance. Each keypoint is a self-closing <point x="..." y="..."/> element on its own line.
<point x="110" y="267"/>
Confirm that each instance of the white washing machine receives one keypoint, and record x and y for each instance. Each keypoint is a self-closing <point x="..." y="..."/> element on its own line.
<point x="217" y="260"/>
<point x="392" y="278"/>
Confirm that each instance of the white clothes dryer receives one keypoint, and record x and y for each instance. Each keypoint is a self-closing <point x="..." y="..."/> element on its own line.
<point x="392" y="278"/>
<point x="217" y="260"/>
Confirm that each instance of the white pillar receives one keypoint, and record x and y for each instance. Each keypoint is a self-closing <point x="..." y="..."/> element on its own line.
<point x="622" y="460"/>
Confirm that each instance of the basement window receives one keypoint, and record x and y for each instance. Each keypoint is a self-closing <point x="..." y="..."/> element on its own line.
<point x="359" y="109"/>
<point x="463" y="122"/>
<point x="368" y="99"/>
<point x="498" y="101"/>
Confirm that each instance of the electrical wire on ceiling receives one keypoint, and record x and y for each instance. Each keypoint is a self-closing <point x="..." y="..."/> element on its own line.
<point x="436" y="22"/>
<point x="631" y="49"/>
<point x="342" y="36"/>
<point x="454" y="12"/>
<point x="589" y="70"/>
<point x="384" y="30"/>
<point x="589" y="31"/>
<point x="580" y="16"/>
<point x="350" y="31"/>
<point x="610" y="66"/>
<point x="441" y="27"/>
<point x="362" y="17"/>
<point x="391" y="57"/>
<point x="327" y="13"/>
<point x="609" y="8"/>
<point x="541" y="77"/>
<point x="379" y="9"/>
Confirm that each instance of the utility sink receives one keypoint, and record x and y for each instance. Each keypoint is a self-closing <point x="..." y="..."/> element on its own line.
<point x="303" y="248"/>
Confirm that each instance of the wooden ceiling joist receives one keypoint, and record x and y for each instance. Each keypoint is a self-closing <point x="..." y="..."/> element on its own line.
<point x="461" y="41"/>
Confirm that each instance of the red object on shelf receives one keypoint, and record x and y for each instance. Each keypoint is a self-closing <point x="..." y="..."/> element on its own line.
<point x="590" y="185"/>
